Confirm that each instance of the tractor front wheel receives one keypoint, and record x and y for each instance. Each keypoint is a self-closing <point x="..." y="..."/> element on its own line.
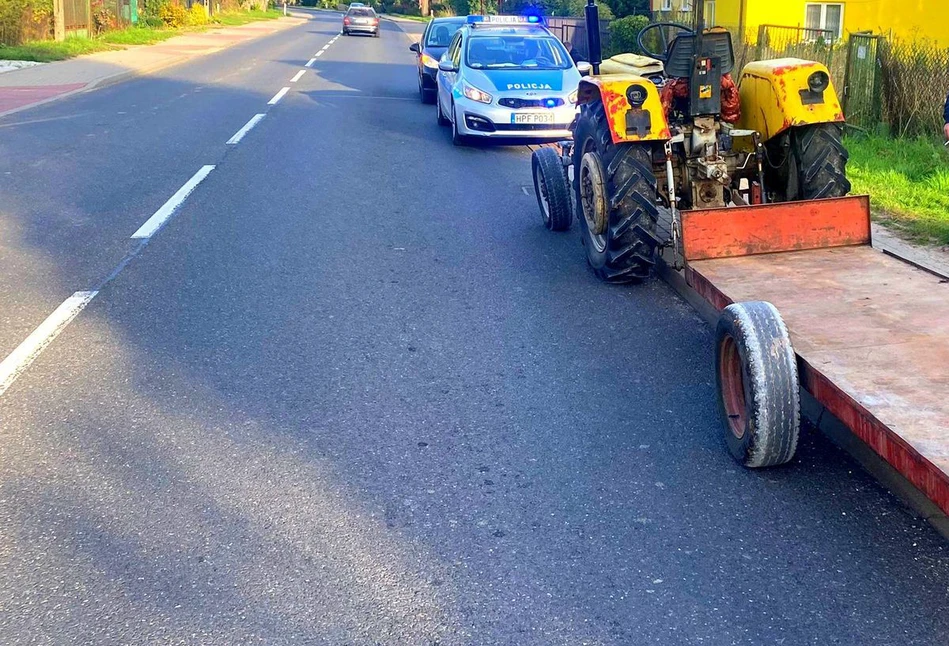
<point x="616" y="200"/>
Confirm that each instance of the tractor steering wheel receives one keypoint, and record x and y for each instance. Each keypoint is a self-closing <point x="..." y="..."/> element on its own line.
<point x="665" y="30"/>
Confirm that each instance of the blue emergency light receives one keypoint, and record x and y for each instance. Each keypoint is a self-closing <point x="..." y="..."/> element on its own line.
<point x="532" y="19"/>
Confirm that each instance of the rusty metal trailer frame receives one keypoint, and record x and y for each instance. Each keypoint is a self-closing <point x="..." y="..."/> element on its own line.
<point x="788" y="231"/>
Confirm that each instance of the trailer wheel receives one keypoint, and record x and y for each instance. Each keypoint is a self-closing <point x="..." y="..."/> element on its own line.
<point x="616" y="200"/>
<point x="552" y="189"/>
<point x="759" y="394"/>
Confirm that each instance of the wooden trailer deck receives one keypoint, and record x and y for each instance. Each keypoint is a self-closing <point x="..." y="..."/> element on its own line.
<point x="871" y="332"/>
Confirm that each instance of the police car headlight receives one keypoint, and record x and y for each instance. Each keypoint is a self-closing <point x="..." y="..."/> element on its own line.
<point x="475" y="94"/>
<point x="428" y="61"/>
<point x="573" y="97"/>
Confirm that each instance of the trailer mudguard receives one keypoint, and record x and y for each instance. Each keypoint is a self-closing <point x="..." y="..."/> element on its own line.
<point x="641" y="119"/>
<point x="784" y="93"/>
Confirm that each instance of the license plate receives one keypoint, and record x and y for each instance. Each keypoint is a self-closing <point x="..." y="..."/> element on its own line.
<point x="360" y="21"/>
<point x="532" y="117"/>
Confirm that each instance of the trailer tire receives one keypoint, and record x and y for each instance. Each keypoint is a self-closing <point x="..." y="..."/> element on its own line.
<point x="552" y="189"/>
<point x="618" y="225"/>
<point x="759" y="394"/>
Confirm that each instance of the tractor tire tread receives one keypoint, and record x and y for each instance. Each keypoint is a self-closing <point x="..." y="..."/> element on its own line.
<point x="631" y="189"/>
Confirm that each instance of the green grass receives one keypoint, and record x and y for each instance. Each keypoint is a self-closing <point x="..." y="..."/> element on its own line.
<point x="407" y="17"/>
<point x="138" y="36"/>
<point x="244" y="17"/>
<point x="46" y="51"/>
<point x="908" y="183"/>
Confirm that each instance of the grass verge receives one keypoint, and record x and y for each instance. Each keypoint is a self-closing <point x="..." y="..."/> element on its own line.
<point x="908" y="182"/>
<point x="45" y="51"/>
<point x="407" y="17"/>
<point x="49" y="50"/>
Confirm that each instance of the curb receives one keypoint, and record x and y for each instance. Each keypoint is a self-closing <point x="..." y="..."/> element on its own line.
<point x="120" y="77"/>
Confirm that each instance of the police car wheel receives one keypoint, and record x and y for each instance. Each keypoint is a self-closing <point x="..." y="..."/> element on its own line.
<point x="615" y="191"/>
<point x="552" y="189"/>
<point x="457" y="138"/>
<point x="442" y="121"/>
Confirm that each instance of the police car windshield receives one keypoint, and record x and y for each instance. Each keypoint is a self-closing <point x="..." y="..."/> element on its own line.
<point x="441" y="32"/>
<point x="511" y="51"/>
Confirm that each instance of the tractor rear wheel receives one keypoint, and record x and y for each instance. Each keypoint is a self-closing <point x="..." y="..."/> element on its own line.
<point x="808" y="163"/>
<point x="616" y="200"/>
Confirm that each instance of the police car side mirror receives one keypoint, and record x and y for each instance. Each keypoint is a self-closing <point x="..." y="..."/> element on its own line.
<point x="584" y="68"/>
<point x="446" y="65"/>
<point x="414" y="47"/>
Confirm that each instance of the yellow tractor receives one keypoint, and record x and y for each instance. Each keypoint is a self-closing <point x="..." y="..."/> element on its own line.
<point x="673" y="131"/>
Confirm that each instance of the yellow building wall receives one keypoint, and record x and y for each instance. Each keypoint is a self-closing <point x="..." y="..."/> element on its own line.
<point x="904" y="19"/>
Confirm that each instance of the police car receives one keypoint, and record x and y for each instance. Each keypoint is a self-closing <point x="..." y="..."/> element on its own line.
<point x="506" y="76"/>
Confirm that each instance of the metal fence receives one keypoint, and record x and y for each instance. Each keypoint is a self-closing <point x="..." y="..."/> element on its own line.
<point x="574" y="31"/>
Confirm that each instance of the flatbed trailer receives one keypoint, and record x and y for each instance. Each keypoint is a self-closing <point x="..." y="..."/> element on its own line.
<point x="870" y="331"/>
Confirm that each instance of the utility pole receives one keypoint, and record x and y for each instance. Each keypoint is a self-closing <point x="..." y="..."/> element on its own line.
<point x="59" y="20"/>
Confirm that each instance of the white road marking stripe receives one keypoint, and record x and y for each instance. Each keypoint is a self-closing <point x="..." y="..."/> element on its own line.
<point x="318" y="54"/>
<point x="167" y="209"/>
<point x="298" y="75"/>
<point x="247" y="128"/>
<point x="25" y="353"/>
<point x="279" y="95"/>
<point x="310" y="62"/>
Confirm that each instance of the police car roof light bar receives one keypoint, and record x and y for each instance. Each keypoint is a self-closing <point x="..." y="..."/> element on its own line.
<point x="533" y="19"/>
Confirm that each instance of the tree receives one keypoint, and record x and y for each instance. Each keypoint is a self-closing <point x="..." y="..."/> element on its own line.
<point x="622" y="8"/>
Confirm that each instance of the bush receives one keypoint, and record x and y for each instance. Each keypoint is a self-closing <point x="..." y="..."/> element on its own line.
<point x="153" y="22"/>
<point x="198" y="15"/>
<point x="173" y="15"/>
<point x="624" y="33"/>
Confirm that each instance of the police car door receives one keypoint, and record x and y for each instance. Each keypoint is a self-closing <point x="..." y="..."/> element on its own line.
<point x="446" y="80"/>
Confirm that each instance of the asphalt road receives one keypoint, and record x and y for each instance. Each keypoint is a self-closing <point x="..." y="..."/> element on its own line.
<point x="354" y="393"/>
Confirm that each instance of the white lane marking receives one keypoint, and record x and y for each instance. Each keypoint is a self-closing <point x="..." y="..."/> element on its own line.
<point x="318" y="54"/>
<point x="247" y="128"/>
<point x="27" y="352"/>
<point x="279" y="95"/>
<point x="297" y="76"/>
<point x="168" y="209"/>
<point x="310" y="62"/>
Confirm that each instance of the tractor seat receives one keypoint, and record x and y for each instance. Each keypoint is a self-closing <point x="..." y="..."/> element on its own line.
<point x="716" y="43"/>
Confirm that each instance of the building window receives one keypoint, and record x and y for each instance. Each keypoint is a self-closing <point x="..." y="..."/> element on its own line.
<point x="709" y="13"/>
<point x="666" y="5"/>
<point x="825" y="16"/>
<point x="686" y="5"/>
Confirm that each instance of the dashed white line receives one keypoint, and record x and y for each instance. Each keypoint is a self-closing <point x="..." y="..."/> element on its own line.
<point x="247" y="128"/>
<point x="297" y="76"/>
<point x="310" y="62"/>
<point x="279" y="95"/>
<point x="168" y="209"/>
<point x="318" y="54"/>
<point x="27" y="352"/>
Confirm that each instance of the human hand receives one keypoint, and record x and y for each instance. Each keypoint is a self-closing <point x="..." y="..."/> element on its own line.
<point x="945" y="131"/>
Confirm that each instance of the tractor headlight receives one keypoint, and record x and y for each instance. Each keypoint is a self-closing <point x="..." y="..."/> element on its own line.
<point x="818" y="81"/>
<point x="475" y="94"/>
<point x="636" y="95"/>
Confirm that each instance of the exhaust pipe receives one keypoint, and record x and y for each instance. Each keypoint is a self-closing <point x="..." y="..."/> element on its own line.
<point x="592" y="15"/>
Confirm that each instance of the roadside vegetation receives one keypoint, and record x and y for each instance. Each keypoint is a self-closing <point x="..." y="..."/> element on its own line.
<point x="165" y="21"/>
<point x="908" y="182"/>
